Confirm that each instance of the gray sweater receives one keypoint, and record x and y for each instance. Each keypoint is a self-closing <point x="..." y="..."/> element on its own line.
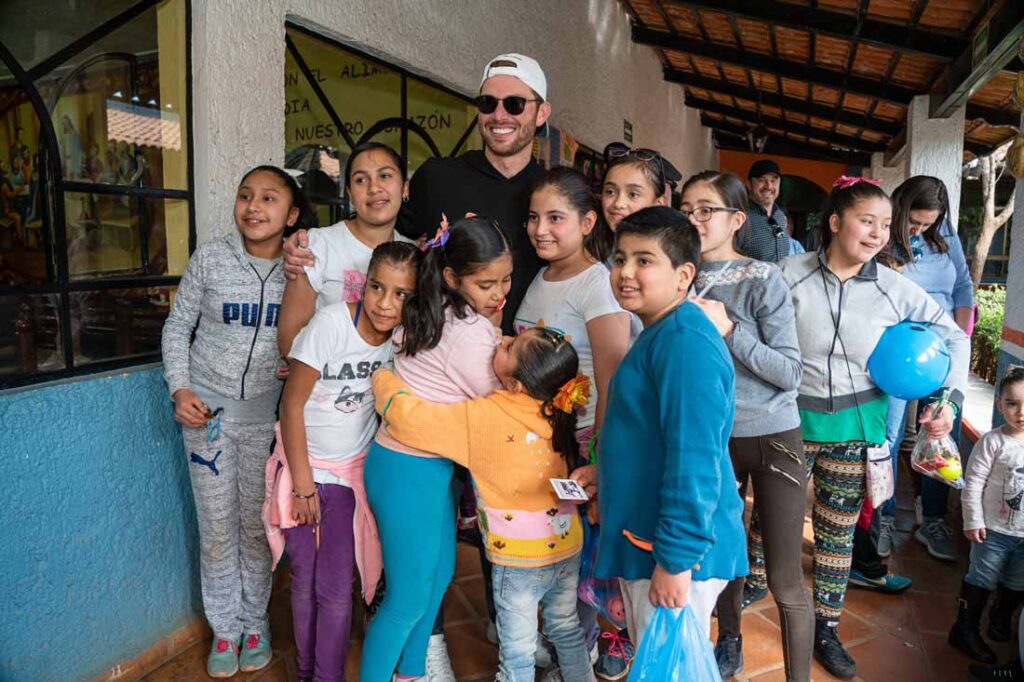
<point x="234" y="312"/>
<point x="763" y="343"/>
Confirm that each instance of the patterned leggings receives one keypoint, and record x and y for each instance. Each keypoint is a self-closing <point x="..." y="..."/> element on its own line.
<point x="839" y="487"/>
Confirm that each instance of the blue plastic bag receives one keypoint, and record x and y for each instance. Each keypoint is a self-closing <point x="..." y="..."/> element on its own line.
<point x="674" y="649"/>
<point x="603" y="594"/>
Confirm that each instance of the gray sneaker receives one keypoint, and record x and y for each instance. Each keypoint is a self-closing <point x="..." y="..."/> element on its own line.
<point x="937" y="536"/>
<point x="886" y="526"/>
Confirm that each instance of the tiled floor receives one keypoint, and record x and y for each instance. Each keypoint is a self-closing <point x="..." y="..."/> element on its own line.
<point x="900" y="638"/>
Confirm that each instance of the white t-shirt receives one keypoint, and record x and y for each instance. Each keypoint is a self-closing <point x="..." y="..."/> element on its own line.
<point x="339" y="415"/>
<point x="993" y="495"/>
<point x="566" y="307"/>
<point x="341" y="261"/>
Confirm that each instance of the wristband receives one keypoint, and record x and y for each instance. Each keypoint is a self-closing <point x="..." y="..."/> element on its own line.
<point x="387" y="405"/>
<point x="592" y="447"/>
<point x="304" y="497"/>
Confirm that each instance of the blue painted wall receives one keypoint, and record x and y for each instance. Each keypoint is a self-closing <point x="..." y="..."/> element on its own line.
<point x="99" y="535"/>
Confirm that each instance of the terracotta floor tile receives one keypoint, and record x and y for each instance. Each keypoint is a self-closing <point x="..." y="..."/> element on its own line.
<point x="467" y="561"/>
<point x="469" y="650"/>
<point x="189" y="664"/>
<point x="772" y="676"/>
<point x="891" y="658"/>
<point x="889" y="612"/>
<point x="943" y="661"/>
<point x="905" y="520"/>
<point x="762" y="648"/>
<point x="457" y="607"/>
<point x="473" y="589"/>
<point x="930" y="576"/>
<point x="933" y="614"/>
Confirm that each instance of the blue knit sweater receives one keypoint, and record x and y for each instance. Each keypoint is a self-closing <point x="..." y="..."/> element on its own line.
<point x="664" y="472"/>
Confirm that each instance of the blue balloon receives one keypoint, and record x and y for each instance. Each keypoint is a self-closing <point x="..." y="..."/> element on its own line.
<point x="910" y="361"/>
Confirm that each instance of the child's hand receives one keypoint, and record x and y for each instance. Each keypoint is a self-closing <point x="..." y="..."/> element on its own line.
<point x="715" y="312"/>
<point x="975" y="535"/>
<point x="937" y="425"/>
<point x="189" y="409"/>
<point x="669" y="590"/>
<point x="283" y="369"/>
<point x="586" y="476"/>
<point x="297" y="255"/>
<point x="306" y="511"/>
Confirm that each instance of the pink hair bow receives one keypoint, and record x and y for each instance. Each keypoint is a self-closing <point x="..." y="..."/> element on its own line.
<point x="845" y="181"/>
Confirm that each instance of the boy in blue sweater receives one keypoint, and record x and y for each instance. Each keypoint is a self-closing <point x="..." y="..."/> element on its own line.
<point x="672" y="521"/>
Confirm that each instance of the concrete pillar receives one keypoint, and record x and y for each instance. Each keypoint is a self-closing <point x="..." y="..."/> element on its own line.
<point x="1012" y="347"/>
<point x="935" y="146"/>
<point x="891" y="175"/>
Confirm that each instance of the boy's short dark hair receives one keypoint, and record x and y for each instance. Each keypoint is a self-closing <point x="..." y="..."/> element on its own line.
<point x="675" y="234"/>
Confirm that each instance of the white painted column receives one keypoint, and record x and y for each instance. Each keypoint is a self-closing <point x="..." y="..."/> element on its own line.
<point x="237" y="101"/>
<point x="935" y="146"/>
<point x="890" y="176"/>
<point x="1012" y="347"/>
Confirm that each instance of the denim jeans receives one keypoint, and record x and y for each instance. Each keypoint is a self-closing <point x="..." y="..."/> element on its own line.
<point x="997" y="561"/>
<point x="517" y="592"/>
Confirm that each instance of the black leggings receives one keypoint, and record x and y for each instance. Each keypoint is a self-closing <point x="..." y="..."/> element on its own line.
<point x="776" y="465"/>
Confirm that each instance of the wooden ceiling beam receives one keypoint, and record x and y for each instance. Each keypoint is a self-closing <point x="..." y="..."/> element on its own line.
<point x="1004" y="30"/>
<point x="994" y="117"/>
<point x="726" y="138"/>
<point x="781" y="67"/>
<point x="789" y="104"/>
<point x="795" y="128"/>
<point x="893" y="36"/>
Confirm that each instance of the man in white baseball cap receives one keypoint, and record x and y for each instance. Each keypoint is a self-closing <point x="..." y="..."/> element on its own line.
<point x="495" y="183"/>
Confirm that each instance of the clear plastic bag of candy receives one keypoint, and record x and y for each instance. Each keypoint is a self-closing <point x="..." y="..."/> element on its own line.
<point x="938" y="458"/>
<point x="603" y="594"/>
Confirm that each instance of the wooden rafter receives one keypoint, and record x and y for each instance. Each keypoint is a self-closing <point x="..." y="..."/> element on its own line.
<point x="892" y="36"/>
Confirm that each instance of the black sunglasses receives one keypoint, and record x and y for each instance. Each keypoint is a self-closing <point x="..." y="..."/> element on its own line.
<point x="776" y="228"/>
<point x="513" y="104"/>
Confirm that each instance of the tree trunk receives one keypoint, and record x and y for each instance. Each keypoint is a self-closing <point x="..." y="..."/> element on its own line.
<point x="991" y="222"/>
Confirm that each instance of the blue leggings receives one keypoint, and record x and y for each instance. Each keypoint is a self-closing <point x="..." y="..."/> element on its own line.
<point x="412" y="500"/>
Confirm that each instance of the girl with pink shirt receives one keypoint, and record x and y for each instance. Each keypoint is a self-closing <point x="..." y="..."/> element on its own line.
<point x="444" y="352"/>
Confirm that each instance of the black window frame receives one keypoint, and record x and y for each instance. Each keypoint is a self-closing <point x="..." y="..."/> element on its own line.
<point x="54" y="235"/>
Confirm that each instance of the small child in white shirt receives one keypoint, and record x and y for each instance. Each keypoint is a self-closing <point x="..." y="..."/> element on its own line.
<point x="993" y="508"/>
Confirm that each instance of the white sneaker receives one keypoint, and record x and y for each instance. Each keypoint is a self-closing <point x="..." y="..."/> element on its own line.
<point x="439" y="667"/>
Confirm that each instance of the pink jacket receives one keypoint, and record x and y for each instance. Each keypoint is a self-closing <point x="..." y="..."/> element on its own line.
<point x="277" y="512"/>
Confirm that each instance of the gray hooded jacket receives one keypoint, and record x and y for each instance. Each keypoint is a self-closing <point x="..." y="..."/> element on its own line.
<point x="234" y="313"/>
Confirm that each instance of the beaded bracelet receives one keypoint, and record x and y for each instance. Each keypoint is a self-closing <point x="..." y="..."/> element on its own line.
<point x="304" y="497"/>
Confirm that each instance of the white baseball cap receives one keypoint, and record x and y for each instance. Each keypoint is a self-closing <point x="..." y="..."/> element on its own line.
<point x="518" y="66"/>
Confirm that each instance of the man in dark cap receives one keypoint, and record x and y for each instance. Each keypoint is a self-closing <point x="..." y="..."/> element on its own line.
<point x="764" y="236"/>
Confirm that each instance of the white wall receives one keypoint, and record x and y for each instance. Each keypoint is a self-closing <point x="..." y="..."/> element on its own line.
<point x="596" y="75"/>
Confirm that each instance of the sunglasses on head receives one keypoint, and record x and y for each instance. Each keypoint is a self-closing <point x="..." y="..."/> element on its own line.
<point x="618" y="150"/>
<point x="513" y="104"/>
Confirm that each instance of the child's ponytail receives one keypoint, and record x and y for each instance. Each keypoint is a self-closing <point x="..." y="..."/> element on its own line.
<point x="470" y="244"/>
<point x="545" y="363"/>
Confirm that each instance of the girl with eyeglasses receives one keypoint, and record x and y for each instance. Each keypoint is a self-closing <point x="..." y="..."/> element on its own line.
<point x="748" y="301"/>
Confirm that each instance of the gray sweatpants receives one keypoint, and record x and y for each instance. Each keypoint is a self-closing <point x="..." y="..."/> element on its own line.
<point x="227" y="475"/>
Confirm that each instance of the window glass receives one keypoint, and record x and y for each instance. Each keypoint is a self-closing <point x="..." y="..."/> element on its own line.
<point x="116" y="236"/>
<point x="30" y="334"/>
<point x="118" y="323"/>
<point x="24" y="228"/>
<point x="45" y="28"/>
<point x="441" y="116"/>
<point x="118" y="107"/>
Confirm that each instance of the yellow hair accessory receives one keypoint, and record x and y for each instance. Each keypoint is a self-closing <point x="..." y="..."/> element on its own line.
<point x="573" y="393"/>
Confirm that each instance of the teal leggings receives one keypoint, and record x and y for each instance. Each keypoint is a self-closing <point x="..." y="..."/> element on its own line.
<point x="412" y="500"/>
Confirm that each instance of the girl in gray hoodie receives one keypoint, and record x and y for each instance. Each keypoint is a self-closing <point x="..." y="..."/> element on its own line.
<point x="220" y="363"/>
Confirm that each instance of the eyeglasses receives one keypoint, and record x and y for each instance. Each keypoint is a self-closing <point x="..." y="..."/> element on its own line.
<point x="513" y="104"/>
<point x="704" y="213"/>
